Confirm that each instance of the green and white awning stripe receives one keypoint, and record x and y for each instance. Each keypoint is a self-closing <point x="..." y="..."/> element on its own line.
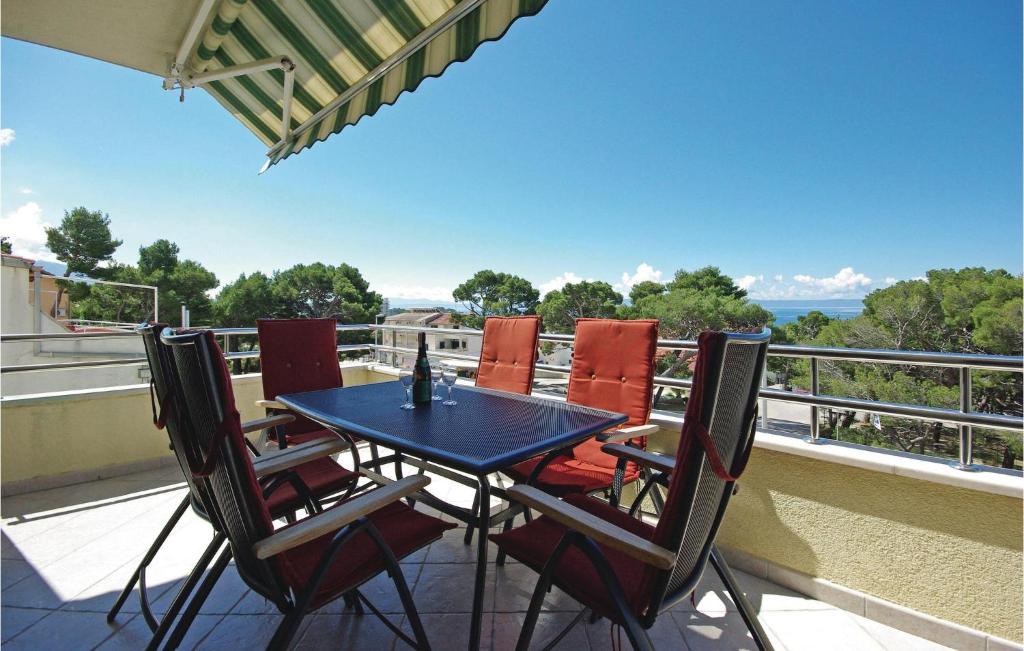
<point x="351" y="57"/>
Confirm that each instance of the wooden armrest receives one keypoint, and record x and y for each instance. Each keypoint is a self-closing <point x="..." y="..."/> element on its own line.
<point x="337" y="517"/>
<point x="271" y="404"/>
<point x="594" y="527"/>
<point x="660" y="462"/>
<point x="266" y="423"/>
<point x="277" y="460"/>
<point x="627" y="433"/>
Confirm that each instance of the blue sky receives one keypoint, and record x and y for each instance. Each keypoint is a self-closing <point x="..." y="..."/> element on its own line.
<point x="811" y="149"/>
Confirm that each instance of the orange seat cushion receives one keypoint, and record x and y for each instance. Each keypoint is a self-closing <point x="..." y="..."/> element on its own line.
<point x="508" y="353"/>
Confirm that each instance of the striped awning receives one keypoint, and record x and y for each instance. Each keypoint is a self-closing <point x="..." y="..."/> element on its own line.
<point x="322" y="63"/>
<point x="351" y="57"/>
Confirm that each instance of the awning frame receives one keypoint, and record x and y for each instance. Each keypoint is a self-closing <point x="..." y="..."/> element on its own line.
<point x="179" y="77"/>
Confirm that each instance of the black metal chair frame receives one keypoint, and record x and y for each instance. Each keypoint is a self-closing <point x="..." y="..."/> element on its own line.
<point x="200" y="503"/>
<point x="256" y="573"/>
<point x="664" y="595"/>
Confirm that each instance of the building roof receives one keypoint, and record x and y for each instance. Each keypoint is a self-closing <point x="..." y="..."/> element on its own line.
<point x="414" y="318"/>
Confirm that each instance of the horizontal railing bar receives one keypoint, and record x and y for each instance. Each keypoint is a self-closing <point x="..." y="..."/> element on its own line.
<point x="981" y="419"/>
<point x="4" y="338"/>
<point x="21" y="368"/>
<point x="1010" y="363"/>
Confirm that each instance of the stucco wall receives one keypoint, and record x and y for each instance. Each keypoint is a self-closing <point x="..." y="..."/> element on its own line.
<point x="92" y="433"/>
<point x="949" y="552"/>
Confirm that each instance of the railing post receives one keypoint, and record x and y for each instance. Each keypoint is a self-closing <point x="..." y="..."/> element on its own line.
<point x="394" y="344"/>
<point x="764" y="401"/>
<point x="966" y="460"/>
<point x="815" y="425"/>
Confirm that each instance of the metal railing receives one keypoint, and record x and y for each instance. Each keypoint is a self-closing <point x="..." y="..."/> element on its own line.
<point x="964" y="418"/>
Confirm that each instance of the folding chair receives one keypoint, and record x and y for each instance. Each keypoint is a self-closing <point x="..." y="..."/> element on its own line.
<point x="303" y="565"/>
<point x="629" y="571"/>
<point x="291" y="481"/>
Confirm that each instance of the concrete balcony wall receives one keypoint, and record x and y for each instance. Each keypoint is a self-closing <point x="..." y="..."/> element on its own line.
<point x="67" y="437"/>
<point x="946" y="551"/>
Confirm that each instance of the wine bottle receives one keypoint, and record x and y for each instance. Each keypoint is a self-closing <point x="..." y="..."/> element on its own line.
<point x="421" y="389"/>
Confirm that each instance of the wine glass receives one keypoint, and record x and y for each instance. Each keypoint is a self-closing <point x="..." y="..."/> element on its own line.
<point x="405" y="376"/>
<point x="449" y="375"/>
<point x="435" y="378"/>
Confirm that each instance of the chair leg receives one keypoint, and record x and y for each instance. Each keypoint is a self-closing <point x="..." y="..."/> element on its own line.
<point x="468" y="538"/>
<point x="746" y="609"/>
<point x="195" y="603"/>
<point x="500" y="558"/>
<point x="140" y="572"/>
<point x="186" y="589"/>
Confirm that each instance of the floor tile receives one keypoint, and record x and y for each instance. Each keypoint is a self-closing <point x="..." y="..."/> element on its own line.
<point x="15" y="620"/>
<point x="64" y="630"/>
<point x="449" y="588"/>
<point x="811" y="630"/>
<point x="347" y="633"/>
<point x="513" y="588"/>
<point x="136" y="635"/>
<point x="891" y="638"/>
<point x="13" y="570"/>
<point x="713" y="632"/>
<point x="507" y="627"/>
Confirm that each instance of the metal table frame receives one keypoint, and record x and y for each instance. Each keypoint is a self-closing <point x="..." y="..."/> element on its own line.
<point x="451" y="466"/>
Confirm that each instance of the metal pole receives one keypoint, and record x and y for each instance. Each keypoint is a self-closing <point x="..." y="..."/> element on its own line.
<point x="815" y="426"/>
<point x="156" y="305"/>
<point x="394" y="344"/>
<point x="184" y="316"/>
<point x="764" y="402"/>
<point x="966" y="461"/>
<point x="37" y="297"/>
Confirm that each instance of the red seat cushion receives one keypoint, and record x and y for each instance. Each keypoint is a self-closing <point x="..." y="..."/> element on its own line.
<point x="298" y="355"/>
<point x="567" y="474"/>
<point x="535" y="542"/>
<point x="403" y="529"/>
<point x="323" y="477"/>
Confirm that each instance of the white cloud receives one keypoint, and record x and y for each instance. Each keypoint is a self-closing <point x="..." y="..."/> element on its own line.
<point x="889" y="280"/>
<point x="26" y="191"/>
<point x="6" y="137"/>
<point x="643" y="272"/>
<point x="748" y="281"/>
<point x="25" y="227"/>
<point x="845" y="281"/>
<point x="558" y="282"/>
<point x="417" y="292"/>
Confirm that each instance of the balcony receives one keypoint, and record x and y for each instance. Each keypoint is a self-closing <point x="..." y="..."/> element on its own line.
<point x="837" y="544"/>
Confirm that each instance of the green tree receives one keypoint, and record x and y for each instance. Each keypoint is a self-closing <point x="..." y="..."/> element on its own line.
<point x="248" y="298"/>
<point x="177" y="281"/>
<point x="644" y="289"/>
<point x="561" y="307"/>
<point x="5" y="245"/>
<point x="490" y="293"/>
<point x="696" y="301"/>
<point x="709" y="280"/>
<point x="967" y="310"/>
<point x="320" y="291"/>
<point x="82" y="242"/>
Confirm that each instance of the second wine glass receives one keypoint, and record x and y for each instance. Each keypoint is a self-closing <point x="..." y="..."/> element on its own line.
<point x="449" y="375"/>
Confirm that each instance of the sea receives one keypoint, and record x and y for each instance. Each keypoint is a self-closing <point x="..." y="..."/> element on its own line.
<point x="788" y="311"/>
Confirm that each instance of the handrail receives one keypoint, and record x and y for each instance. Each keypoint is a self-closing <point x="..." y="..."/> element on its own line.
<point x="965" y="418"/>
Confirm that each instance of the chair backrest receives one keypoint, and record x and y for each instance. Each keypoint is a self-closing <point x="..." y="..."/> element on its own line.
<point x="508" y="353"/>
<point x="211" y="424"/>
<point x="167" y="410"/>
<point x="612" y="368"/>
<point x="721" y="413"/>
<point x="298" y="355"/>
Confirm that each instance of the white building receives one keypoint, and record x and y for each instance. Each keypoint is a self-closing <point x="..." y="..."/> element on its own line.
<point x="467" y="344"/>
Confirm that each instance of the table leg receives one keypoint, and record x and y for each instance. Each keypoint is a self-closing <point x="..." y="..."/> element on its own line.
<point x="483" y="524"/>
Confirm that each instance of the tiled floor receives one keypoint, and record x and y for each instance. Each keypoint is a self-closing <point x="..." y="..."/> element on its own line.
<point x="67" y="552"/>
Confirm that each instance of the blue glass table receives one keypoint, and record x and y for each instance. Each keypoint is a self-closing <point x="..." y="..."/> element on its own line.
<point x="485" y="432"/>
